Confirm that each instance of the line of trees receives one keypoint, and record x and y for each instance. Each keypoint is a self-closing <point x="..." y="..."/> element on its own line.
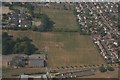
<point x="20" y="45"/>
<point x="104" y="69"/>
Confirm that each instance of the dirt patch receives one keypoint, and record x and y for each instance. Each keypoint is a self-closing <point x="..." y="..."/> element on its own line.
<point x="53" y="44"/>
<point x="36" y="22"/>
<point x="6" y="10"/>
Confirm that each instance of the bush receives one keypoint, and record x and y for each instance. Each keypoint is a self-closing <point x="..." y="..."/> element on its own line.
<point x="110" y="68"/>
<point x="102" y="69"/>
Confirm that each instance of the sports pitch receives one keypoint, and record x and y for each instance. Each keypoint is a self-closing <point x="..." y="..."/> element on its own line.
<point x="64" y="49"/>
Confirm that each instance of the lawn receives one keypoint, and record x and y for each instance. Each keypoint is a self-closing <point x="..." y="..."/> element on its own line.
<point x="62" y="18"/>
<point x="64" y="49"/>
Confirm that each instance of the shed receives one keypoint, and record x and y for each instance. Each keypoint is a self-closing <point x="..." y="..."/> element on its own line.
<point x="36" y="63"/>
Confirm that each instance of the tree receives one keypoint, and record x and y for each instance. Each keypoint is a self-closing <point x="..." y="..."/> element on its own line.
<point x="29" y="48"/>
<point x="18" y="48"/>
<point x="46" y="25"/>
<point x="20" y="45"/>
<point x="22" y="39"/>
<point x="17" y="4"/>
<point x="5" y="17"/>
<point x="24" y="45"/>
<point x="7" y="43"/>
<point x="29" y="6"/>
<point x="34" y="28"/>
<point x="6" y="4"/>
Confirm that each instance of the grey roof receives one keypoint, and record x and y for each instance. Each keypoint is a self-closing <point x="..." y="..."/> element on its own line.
<point x="7" y="58"/>
<point x="36" y="63"/>
<point x="37" y="56"/>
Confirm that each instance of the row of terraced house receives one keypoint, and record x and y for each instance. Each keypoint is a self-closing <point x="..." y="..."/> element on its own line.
<point x="99" y="20"/>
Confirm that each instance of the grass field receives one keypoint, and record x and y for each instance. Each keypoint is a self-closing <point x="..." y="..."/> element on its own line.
<point x="62" y="18"/>
<point x="64" y="49"/>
